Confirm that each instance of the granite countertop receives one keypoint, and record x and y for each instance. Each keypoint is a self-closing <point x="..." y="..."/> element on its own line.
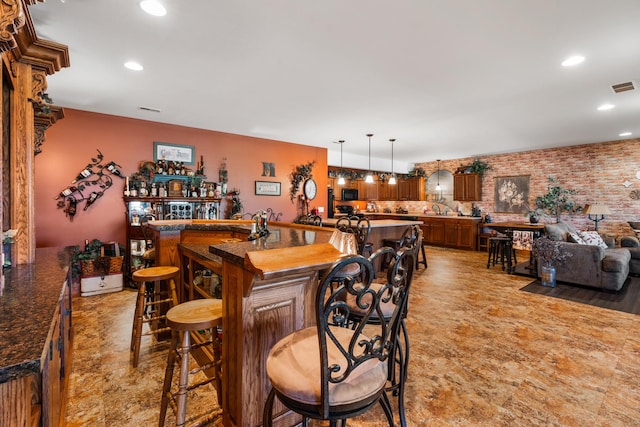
<point x="192" y="224"/>
<point x="412" y="215"/>
<point x="27" y="305"/>
<point x="279" y="238"/>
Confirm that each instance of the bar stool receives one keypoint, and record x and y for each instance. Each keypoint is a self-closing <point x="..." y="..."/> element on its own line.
<point x="409" y="237"/>
<point x="149" y="300"/>
<point x="202" y="315"/>
<point x="500" y="247"/>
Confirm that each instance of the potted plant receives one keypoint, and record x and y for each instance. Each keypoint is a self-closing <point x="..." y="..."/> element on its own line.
<point x="478" y="166"/>
<point x="549" y="253"/>
<point x="557" y="200"/>
<point x="534" y="215"/>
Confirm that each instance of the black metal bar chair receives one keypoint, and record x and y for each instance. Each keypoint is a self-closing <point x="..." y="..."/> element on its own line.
<point x="331" y="372"/>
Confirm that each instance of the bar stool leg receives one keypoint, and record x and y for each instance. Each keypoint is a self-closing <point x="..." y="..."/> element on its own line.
<point x="184" y="379"/>
<point x="168" y="377"/>
<point x="136" y="333"/>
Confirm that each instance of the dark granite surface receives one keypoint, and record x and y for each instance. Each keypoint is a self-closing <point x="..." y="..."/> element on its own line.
<point x="27" y="305"/>
<point x="279" y="237"/>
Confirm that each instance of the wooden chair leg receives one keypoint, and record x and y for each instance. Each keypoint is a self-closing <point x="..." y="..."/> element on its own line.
<point x="137" y="324"/>
<point x="168" y="377"/>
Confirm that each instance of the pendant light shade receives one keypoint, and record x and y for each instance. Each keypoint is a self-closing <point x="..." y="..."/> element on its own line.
<point x="341" y="178"/>
<point x="438" y="188"/>
<point x="392" y="180"/>
<point x="369" y="178"/>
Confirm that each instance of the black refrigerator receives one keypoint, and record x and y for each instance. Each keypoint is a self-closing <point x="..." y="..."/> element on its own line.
<point x="330" y="203"/>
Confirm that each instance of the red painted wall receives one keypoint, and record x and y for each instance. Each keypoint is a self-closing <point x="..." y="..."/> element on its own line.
<point x="72" y="142"/>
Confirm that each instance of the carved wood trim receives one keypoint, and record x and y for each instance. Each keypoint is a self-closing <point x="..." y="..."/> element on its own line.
<point x="11" y="20"/>
<point x="45" y="116"/>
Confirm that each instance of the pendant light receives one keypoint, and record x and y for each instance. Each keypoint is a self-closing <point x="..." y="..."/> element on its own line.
<point x="438" y="188"/>
<point x="369" y="178"/>
<point x="392" y="180"/>
<point x="341" y="178"/>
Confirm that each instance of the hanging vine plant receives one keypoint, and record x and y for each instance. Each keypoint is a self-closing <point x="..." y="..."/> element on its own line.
<point x="299" y="175"/>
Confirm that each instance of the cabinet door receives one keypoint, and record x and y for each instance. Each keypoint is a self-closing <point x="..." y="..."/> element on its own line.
<point x="467" y="187"/>
<point x="459" y="187"/>
<point x="404" y="189"/>
<point x="51" y="381"/>
<point x="467" y="235"/>
<point x="451" y="233"/>
<point x="367" y="191"/>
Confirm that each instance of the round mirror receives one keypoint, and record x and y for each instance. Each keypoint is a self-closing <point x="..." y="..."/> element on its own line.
<point x="445" y="195"/>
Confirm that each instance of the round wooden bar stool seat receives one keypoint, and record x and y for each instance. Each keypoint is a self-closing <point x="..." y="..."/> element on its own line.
<point x="156" y="294"/>
<point x="189" y="317"/>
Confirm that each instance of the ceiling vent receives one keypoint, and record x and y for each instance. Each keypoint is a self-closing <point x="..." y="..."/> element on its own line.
<point x="623" y="87"/>
<point x="155" y="110"/>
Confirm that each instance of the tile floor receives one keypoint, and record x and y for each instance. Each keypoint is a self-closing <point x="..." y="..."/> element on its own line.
<point x="483" y="353"/>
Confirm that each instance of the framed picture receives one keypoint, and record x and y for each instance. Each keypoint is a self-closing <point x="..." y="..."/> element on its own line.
<point x="512" y="194"/>
<point x="173" y="152"/>
<point x="267" y="188"/>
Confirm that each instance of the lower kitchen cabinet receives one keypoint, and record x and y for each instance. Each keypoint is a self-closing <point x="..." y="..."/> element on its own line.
<point x="452" y="232"/>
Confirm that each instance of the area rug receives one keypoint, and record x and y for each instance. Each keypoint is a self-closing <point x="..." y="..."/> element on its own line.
<point x="626" y="299"/>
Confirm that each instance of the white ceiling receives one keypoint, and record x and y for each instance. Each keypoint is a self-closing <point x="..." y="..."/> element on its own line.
<point x="446" y="78"/>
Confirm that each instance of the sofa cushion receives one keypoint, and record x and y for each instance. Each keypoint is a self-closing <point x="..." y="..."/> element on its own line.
<point x="575" y="238"/>
<point x="616" y="260"/>
<point x="557" y="232"/>
<point x="593" y="238"/>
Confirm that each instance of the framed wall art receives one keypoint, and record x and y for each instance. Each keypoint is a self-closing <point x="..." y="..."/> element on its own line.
<point x="267" y="188"/>
<point x="173" y="152"/>
<point x="512" y="194"/>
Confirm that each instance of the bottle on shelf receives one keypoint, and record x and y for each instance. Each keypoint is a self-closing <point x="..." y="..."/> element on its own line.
<point x="92" y="198"/>
<point x="85" y="173"/>
<point x="170" y="168"/>
<point x="154" y="190"/>
<point x="67" y="192"/>
<point x="143" y="191"/>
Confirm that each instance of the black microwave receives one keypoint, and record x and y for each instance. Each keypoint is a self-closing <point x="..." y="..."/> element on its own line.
<point x="349" y="194"/>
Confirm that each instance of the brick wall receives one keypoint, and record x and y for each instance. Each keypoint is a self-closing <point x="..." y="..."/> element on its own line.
<point x="596" y="171"/>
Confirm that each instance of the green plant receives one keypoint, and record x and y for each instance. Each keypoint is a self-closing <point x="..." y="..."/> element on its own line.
<point x="417" y="171"/>
<point x="91" y="252"/>
<point x="478" y="166"/>
<point x="557" y="200"/>
<point x="299" y="174"/>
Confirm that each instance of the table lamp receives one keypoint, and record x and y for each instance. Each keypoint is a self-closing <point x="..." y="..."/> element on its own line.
<point x="598" y="212"/>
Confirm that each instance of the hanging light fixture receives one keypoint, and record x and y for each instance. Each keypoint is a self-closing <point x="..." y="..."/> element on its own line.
<point x="341" y="178"/>
<point x="392" y="180"/>
<point x="438" y="188"/>
<point x="369" y="178"/>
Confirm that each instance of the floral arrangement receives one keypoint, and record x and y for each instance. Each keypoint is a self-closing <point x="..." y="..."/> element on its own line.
<point x="549" y="251"/>
<point x="9" y="235"/>
<point x="299" y="174"/>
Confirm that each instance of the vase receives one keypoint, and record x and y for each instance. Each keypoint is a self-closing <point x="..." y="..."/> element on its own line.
<point x="533" y="219"/>
<point x="548" y="276"/>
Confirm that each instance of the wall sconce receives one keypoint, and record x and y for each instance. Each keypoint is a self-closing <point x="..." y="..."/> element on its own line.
<point x="392" y="180"/>
<point x="598" y="212"/>
<point x="369" y="178"/>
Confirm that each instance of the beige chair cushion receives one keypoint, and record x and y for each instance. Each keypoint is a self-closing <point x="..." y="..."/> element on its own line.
<point x="293" y="366"/>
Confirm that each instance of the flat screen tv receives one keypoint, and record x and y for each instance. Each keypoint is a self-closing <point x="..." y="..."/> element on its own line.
<point x="349" y="194"/>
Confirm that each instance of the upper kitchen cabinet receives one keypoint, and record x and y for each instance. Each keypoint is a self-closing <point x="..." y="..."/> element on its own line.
<point x="411" y="188"/>
<point x="467" y="187"/>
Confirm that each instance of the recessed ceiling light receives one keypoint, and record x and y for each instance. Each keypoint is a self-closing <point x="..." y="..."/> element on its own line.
<point x="573" y="60"/>
<point x="153" y="7"/>
<point x="605" y="107"/>
<point x="132" y="65"/>
<point x="625" y="134"/>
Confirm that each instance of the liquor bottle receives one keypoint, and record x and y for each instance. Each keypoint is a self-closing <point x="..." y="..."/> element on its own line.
<point x="67" y="192"/>
<point x="85" y="173"/>
<point x="143" y="191"/>
<point x="111" y="167"/>
<point x="154" y="190"/>
<point x="170" y="168"/>
<point x="160" y="167"/>
<point x="92" y="198"/>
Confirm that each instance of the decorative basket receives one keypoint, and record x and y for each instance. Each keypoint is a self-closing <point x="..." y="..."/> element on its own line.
<point x="115" y="264"/>
<point x="88" y="267"/>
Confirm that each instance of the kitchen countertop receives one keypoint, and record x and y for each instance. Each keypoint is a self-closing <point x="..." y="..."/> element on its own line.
<point x="27" y="305"/>
<point x="411" y="215"/>
<point x="376" y="223"/>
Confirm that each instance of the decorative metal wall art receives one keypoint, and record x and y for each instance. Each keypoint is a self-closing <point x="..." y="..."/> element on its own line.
<point x="94" y="174"/>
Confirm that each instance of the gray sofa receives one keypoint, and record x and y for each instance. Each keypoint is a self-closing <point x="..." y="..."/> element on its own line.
<point x="591" y="265"/>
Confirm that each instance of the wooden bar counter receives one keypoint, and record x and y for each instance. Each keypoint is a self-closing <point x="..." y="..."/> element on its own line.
<point x="268" y="291"/>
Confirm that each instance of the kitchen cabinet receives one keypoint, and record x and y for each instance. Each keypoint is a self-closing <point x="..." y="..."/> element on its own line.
<point x="387" y="191"/>
<point x="452" y="232"/>
<point x="467" y="187"/>
<point x="432" y="231"/>
<point x="367" y="191"/>
<point x="411" y="188"/>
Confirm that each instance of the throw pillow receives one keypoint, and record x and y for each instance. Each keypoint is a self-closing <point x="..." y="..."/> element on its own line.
<point x="557" y="232"/>
<point x="575" y="238"/>
<point x="593" y="238"/>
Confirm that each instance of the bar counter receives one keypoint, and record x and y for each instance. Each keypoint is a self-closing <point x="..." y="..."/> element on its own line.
<point x="268" y="292"/>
